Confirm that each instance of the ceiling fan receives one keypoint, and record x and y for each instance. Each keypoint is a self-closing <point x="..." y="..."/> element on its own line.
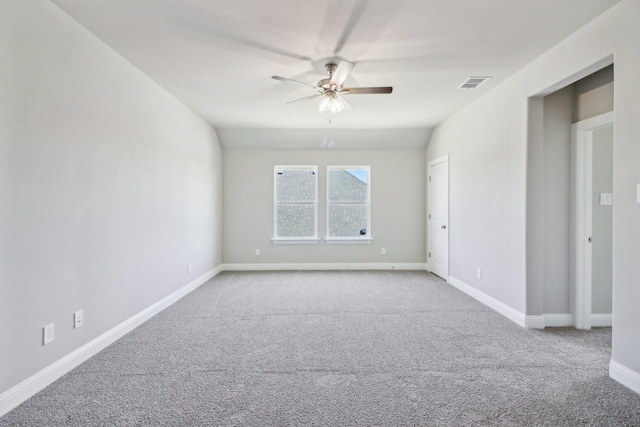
<point x="331" y="90"/>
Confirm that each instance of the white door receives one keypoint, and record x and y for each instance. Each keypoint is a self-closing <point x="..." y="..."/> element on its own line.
<point x="592" y="230"/>
<point x="438" y="216"/>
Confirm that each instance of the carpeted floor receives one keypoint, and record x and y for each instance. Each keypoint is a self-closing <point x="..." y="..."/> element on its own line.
<point x="336" y="349"/>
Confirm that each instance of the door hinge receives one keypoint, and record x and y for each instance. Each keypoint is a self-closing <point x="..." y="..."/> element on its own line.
<point x="429" y="254"/>
<point x="589" y="239"/>
<point x="429" y="177"/>
<point x="429" y="216"/>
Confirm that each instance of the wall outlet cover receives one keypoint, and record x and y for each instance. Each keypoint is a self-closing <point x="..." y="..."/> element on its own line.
<point x="78" y="319"/>
<point x="48" y="333"/>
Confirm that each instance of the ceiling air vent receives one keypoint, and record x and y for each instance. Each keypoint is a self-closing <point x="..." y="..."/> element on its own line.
<point x="473" y="82"/>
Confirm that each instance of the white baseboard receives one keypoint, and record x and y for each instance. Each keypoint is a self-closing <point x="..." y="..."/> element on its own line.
<point x="27" y="388"/>
<point x="624" y="375"/>
<point x="565" y="320"/>
<point x="559" y="320"/>
<point x="325" y="266"/>
<point x="500" y="307"/>
<point x="534" y="322"/>
<point x="601" y="320"/>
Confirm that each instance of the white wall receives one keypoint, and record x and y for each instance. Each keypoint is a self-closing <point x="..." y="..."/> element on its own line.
<point x="486" y="193"/>
<point x="489" y="143"/>
<point x="397" y="206"/>
<point x="108" y="187"/>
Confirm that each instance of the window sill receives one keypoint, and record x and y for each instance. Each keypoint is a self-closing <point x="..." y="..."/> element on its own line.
<point x="295" y="241"/>
<point x="348" y="240"/>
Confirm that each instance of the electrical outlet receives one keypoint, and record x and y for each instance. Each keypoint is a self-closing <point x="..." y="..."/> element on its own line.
<point x="189" y="268"/>
<point x="383" y="251"/>
<point x="479" y="273"/>
<point x="257" y="252"/>
<point x="78" y="319"/>
<point x="48" y="333"/>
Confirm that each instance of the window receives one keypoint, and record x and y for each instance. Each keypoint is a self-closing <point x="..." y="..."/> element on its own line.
<point x="295" y="204"/>
<point x="348" y="204"/>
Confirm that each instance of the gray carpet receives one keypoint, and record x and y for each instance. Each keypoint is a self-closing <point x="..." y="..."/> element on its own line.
<point x="333" y="349"/>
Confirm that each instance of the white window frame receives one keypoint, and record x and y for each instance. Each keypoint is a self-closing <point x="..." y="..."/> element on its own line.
<point x="338" y="240"/>
<point x="292" y="240"/>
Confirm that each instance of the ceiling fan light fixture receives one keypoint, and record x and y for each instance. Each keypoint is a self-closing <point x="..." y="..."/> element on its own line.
<point x="330" y="103"/>
<point x="331" y="90"/>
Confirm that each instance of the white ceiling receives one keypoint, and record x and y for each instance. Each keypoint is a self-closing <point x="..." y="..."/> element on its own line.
<point x="218" y="56"/>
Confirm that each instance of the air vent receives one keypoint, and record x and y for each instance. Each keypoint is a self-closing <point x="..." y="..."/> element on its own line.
<point x="473" y="82"/>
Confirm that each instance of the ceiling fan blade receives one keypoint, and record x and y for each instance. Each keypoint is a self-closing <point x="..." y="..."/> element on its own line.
<point x="284" y="79"/>
<point x="341" y="73"/>
<point x="306" y="98"/>
<point x="366" y="90"/>
<point x="347" y="104"/>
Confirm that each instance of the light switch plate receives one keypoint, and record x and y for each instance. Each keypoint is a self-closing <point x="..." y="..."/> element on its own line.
<point x="606" y="199"/>
<point x="638" y="195"/>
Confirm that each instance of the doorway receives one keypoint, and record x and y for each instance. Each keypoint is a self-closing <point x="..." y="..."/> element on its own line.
<point x="592" y="237"/>
<point x="438" y="217"/>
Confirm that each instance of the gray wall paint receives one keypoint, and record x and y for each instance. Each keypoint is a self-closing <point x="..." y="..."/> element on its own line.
<point x="109" y="188"/>
<point x="488" y="142"/>
<point x="323" y="139"/>
<point x="397" y="212"/>
<point x="586" y="98"/>
<point x="593" y="95"/>
<point x="558" y="111"/>
<point x="602" y="221"/>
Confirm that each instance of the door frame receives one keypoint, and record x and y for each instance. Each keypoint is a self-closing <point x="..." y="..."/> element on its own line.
<point x="581" y="230"/>
<point x="430" y="164"/>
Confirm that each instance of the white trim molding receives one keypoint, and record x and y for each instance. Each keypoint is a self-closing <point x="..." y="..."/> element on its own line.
<point x="32" y="385"/>
<point x="347" y="240"/>
<point x="293" y="241"/>
<point x="325" y="266"/>
<point x="581" y="187"/>
<point x="500" y="307"/>
<point x="558" y="320"/>
<point x="601" y="320"/>
<point x="534" y="321"/>
<point x="624" y="375"/>
<point x="565" y="320"/>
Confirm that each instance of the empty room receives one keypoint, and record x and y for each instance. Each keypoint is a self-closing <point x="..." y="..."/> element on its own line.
<point x="281" y="212"/>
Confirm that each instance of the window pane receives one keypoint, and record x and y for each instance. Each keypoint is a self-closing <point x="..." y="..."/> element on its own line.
<point x="347" y="220"/>
<point x="348" y="185"/>
<point x="296" y="220"/>
<point x="295" y="185"/>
